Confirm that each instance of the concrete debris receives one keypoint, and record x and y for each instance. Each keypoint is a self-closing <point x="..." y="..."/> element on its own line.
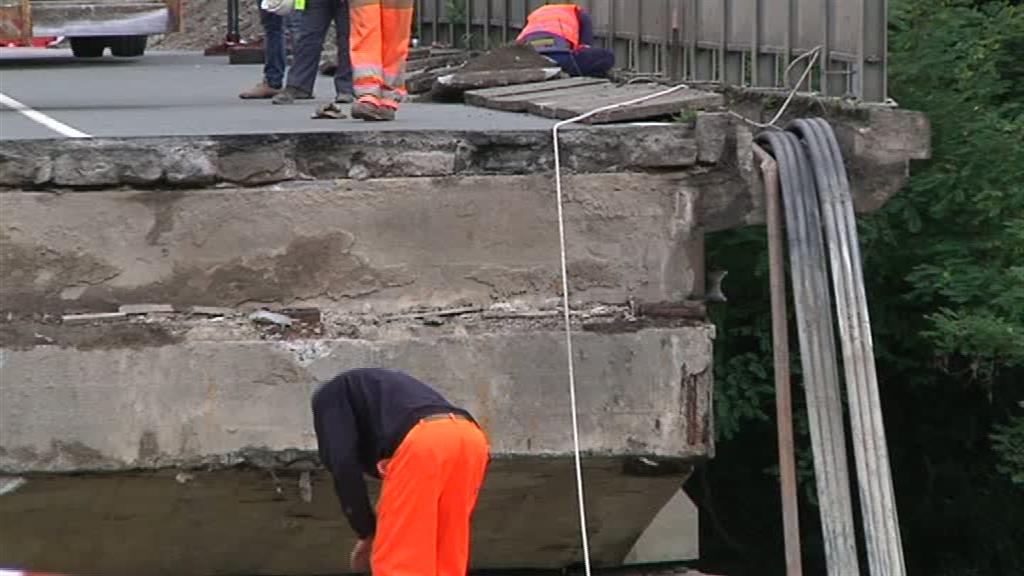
<point x="462" y="81"/>
<point x="268" y="317"/>
<point x="93" y="318"/>
<point x="9" y="484"/>
<point x="689" y="309"/>
<point x="184" y="478"/>
<point x="211" y="311"/>
<point x="437" y="313"/>
<point x="133" y="309"/>
<point x="43" y="339"/>
<point x="307" y="351"/>
<point x="311" y="316"/>
<point x="305" y="487"/>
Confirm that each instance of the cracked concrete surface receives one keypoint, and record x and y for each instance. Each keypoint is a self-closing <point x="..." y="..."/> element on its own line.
<point x="384" y="245"/>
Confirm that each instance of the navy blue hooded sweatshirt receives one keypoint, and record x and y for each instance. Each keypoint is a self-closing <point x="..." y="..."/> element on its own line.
<point x="360" y="418"/>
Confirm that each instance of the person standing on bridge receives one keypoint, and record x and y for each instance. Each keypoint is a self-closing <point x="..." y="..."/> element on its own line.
<point x="431" y="456"/>
<point x="564" y="33"/>
<point x="275" y="17"/>
<point x="381" y="31"/>
<point x="316" y="19"/>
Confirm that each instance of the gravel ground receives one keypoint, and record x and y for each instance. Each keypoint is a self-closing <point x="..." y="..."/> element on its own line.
<point x="206" y="25"/>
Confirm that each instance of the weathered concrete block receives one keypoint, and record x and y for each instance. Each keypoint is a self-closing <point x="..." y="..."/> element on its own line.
<point x="645" y="392"/>
<point x="86" y="168"/>
<point x="189" y="164"/>
<point x="271" y="160"/>
<point x="362" y="246"/>
<point x="712" y="130"/>
<point x="25" y="169"/>
<point x="668" y="146"/>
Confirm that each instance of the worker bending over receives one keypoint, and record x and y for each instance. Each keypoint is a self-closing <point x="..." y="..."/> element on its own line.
<point x="431" y="456"/>
<point x="564" y="32"/>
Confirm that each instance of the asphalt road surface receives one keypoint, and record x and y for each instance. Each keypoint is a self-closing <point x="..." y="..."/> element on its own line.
<point x="48" y="93"/>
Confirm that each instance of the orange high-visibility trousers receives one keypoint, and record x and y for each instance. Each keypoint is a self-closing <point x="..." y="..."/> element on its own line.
<point x="429" y="492"/>
<point x="379" y="34"/>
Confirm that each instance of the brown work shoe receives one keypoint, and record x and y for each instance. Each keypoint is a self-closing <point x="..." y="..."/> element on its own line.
<point x="372" y="112"/>
<point x="261" y="91"/>
<point x="290" y="94"/>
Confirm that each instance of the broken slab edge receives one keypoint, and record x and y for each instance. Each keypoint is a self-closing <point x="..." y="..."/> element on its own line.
<point x="262" y="458"/>
<point x="261" y="159"/>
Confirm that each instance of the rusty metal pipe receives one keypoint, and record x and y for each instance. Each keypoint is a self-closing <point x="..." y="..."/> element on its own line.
<point x="234" y="35"/>
<point x="780" y="349"/>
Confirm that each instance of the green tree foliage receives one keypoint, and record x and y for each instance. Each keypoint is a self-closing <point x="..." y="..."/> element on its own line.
<point x="944" y="262"/>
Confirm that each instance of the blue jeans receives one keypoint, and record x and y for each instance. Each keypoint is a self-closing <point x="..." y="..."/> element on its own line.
<point x="275" y="51"/>
<point x="588" y="61"/>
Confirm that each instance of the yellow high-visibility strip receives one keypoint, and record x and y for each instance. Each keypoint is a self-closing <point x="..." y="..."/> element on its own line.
<point x="300" y="4"/>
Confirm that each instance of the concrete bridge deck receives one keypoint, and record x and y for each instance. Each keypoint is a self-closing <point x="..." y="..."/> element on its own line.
<point x="187" y="94"/>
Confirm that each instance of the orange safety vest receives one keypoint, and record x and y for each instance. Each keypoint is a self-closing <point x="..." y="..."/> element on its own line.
<point x="557" y="19"/>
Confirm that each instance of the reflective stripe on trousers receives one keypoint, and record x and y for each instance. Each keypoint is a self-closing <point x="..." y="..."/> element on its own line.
<point x="379" y="43"/>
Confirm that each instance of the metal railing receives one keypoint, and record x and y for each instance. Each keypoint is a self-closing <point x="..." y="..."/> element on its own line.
<point x="739" y="42"/>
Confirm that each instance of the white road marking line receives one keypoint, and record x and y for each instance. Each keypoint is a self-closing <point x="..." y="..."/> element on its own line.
<point x="36" y="116"/>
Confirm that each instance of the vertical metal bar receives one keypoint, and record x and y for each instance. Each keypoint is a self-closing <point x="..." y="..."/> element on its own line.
<point x="755" y="45"/>
<point x="780" y="356"/>
<point x="504" y="22"/>
<point x="870" y="81"/>
<point x="826" y="46"/>
<point x="487" y="25"/>
<point x="611" y="27"/>
<point x="450" y="21"/>
<point x="691" y="25"/>
<point x="437" y="18"/>
<point x="419" y="20"/>
<point x="469" y="24"/>
<point x="233" y="35"/>
<point x="790" y="34"/>
<point x="638" y="47"/>
<point x="668" y="59"/>
<point x="724" y="47"/>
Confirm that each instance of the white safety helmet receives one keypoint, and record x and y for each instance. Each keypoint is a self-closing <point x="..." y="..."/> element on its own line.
<point x="279" y="7"/>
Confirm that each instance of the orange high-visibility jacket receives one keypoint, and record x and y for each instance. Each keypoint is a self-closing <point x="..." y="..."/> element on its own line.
<point x="558" y="19"/>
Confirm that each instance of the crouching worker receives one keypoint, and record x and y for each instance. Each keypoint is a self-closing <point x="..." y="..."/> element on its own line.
<point x="430" y="455"/>
<point x="564" y="32"/>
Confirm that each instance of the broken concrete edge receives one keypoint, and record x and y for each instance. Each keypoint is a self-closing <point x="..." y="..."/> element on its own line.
<point x="299" y="460"/>
<point x="139" y="334"/>
<point x="260" y="159"/>
<point x="878" y="143"/>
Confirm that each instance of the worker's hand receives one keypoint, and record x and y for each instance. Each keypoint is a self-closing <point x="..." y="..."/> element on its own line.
<point x="359" y="560"/>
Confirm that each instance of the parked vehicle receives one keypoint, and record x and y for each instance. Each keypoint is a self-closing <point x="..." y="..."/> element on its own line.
<point x="91" y="26"/>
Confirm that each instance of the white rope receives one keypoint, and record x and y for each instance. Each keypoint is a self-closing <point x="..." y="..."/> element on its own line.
<point x="565" y="309"/>
<point x="813" y="55"/>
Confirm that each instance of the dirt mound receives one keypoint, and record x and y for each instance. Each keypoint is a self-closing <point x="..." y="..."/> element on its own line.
<point x="513" y="57"/>
<point x="206" y="24"/>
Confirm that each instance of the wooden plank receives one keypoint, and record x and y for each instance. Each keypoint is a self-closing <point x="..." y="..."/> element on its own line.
<point x="673" y="103"/>
<point x="537" y="87"/>
<point x="548" y="103"/>
<point x="476" y="96"/>
<point x="666" y="105"/>
<point x="526" y="102"/>
<point x="462" y="81"/>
